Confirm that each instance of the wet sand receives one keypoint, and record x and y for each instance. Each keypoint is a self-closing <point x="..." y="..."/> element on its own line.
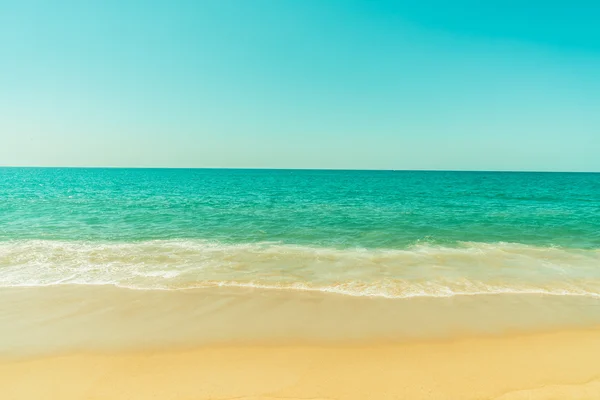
<point x="560" y="365"/>
<point x="81" y="342"/>
<point x="68" y="319"/>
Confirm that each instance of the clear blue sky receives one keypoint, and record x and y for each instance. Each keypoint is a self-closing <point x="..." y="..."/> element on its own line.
<point x="492" y="85"/>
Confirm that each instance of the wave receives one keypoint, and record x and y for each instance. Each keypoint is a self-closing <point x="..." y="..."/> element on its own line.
<point x="423" y="270"/>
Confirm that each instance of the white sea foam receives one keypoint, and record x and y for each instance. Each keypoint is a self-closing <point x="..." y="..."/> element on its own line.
<point x="420" y="271"/>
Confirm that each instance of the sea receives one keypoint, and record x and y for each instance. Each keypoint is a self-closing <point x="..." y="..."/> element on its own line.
<point x="386" y="236"/>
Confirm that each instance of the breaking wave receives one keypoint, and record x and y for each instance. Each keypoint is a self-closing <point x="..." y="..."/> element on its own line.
<point x="419" y="271"/>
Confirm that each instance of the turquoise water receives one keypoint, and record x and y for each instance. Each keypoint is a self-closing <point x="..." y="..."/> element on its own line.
<point x="388" y="233"/>
<point x="324" y="208"/>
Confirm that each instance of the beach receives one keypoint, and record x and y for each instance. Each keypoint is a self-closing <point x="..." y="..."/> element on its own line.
<point x="538" y="366"/>
<point x="111" y="343"/>
<point x="274" y="284"/>
<point x="299" y="200"/>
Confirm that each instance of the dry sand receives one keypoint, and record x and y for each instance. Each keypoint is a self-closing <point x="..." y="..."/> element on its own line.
<point x="560" y="365"/>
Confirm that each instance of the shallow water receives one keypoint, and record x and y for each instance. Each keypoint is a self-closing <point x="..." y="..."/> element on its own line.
<point x="416" y="271"/>
<point x="487" y="252"/>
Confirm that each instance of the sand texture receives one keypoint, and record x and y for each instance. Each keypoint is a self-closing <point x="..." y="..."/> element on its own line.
<point x="560" y="365"/>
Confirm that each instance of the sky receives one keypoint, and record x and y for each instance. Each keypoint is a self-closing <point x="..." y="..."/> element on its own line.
<point x="458" y="85"/>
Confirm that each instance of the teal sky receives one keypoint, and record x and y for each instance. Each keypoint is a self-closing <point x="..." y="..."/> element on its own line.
<point x="475" y="85"/>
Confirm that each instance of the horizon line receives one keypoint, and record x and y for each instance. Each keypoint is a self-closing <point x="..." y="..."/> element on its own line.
<point x="297" y="169"/>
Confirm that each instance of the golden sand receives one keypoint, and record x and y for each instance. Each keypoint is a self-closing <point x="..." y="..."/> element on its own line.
<point x="561" y="365"/>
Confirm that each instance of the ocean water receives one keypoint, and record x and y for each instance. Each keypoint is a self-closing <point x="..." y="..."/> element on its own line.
<point x="392" y="234"/>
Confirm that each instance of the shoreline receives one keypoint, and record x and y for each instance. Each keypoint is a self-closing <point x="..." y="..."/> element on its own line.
<point x="508" y="367"/>
<point x="62" y="320"/>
